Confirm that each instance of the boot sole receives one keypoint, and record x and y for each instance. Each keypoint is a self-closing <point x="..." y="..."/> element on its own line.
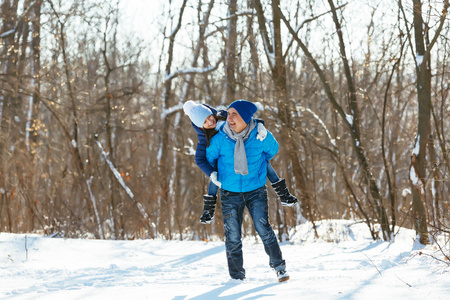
<point x="207" y="222"/>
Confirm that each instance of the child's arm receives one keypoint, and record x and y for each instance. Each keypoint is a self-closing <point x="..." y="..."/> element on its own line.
<point x="270" y="146"/>
<point x="212" y="154"/>
<point x="200" y="153"/>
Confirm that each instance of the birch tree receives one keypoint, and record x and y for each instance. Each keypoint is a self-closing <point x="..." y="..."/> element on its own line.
<point x="35" y="69"/>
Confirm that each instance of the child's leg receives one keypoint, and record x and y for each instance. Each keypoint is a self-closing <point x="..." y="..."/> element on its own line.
<point x="271" y="174"/>
<point x="279" y="185"/>
<point x="213" y="189"/>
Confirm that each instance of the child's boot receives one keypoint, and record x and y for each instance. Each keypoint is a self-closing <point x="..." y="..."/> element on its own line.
<point x="209" y="206"/>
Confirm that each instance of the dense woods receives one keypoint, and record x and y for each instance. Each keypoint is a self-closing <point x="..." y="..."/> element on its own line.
<point x="94" y="141"/>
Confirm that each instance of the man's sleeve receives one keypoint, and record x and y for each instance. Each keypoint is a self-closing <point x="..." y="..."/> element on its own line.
<point x="270" y="146"/>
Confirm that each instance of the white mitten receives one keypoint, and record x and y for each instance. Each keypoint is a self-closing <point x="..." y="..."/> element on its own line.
<point x="214" y="179"/>
<point x="262" y="132"/>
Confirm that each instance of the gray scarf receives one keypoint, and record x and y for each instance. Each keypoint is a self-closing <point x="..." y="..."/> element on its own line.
<point x="240" y="157"/>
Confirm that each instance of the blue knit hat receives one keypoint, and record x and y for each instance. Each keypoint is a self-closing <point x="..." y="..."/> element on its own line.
<point x="197" y="112"/>
<point x="245" y="108"/>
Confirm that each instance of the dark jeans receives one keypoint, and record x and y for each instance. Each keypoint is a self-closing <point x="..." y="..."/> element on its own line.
<point x="271" y="175"/>
<point x="233" y="205"/>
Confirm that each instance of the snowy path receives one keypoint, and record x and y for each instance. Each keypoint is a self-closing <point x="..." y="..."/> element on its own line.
<point x="355" y="268"/>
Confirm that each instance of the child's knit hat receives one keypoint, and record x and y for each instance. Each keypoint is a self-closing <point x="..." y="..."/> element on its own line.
<point x="197" y="112"/>
<point x="245" y="108"/>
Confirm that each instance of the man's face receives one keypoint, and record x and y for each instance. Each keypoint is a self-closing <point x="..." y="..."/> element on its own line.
<point x="235" y="121"/>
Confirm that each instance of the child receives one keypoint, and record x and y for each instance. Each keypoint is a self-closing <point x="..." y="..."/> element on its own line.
<point x="206" y="122"/>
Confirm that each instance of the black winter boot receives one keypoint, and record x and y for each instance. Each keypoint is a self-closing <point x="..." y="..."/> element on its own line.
<point x="283" y="193"/>
<point x="209" y="205"/>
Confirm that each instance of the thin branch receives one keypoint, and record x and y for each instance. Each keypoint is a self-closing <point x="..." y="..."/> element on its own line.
<point x="437" y="33"/>
<point x="191" y="71"/>
<point x="309" y="21"/>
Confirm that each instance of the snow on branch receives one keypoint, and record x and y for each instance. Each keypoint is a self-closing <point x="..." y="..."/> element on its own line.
<point x="349" y="119"/>
<point x="419" y="60"/>
<point x="416" y="149"/>
<point x="301" y="108"/>
<point x="269" y="52"/>
<point x="9" y="32"/>
<point x="245" y="12"/>
<point x="415" y="180"/>
<point x="121" y="182"/>
<point x="268" y="47"/>
<point x="114" y="170"/>
<point x="413" y="174"/>
<point x="165" y="112"/>
<point x="94" y="204"/>
<point x="193" y="71"/>
<point x="20" y="19"/>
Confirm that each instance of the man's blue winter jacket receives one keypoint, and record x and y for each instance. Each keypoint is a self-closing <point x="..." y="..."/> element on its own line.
<point x="220" y="153"/>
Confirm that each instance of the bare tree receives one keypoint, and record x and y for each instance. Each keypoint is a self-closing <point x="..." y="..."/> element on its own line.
<point x="277" y="64"/>
<point x="423" y="48"/>
<point x="8" y="100"/>
<point x="93" y="142"/>
<point x="168" y="101"/>
<point x="230" y="56"/>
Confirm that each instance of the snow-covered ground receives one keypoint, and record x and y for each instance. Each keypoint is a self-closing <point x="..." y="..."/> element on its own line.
<point x="343" y="264"/>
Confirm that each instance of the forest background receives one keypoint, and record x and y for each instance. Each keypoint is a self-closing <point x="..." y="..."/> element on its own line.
<point x="94" y="142"/>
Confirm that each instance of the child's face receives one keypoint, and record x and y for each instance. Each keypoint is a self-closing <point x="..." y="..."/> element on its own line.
<point x="210" y="122"/>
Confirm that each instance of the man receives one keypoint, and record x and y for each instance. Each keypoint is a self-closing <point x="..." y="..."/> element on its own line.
<point x="241" y="160"/>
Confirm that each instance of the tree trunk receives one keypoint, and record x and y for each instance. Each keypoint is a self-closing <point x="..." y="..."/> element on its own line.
<point x="230" y="56"/>
<point x="253" y="55"/>
<point x="166" y="211"/>
<point x="418" y="172"/>
<point x="278" y="67"/>
<point x="9" y="104"/>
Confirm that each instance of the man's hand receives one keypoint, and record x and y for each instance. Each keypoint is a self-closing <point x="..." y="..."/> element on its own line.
<point x="262" y="132"/>
<point x="214" y="179"/>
